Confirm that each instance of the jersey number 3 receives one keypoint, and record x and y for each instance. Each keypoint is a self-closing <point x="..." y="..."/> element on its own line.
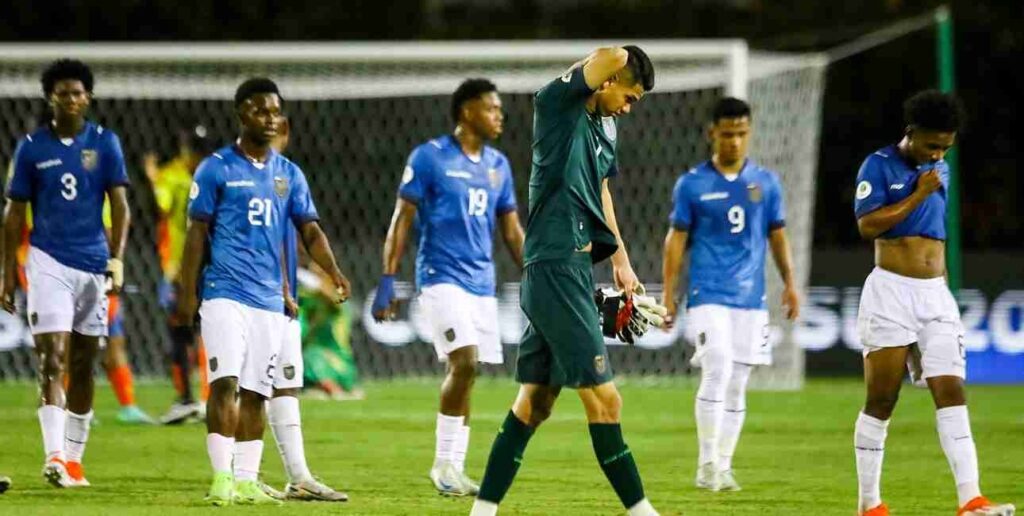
<point x="70" y="183"/>
<point x="738" y="219"/>
<point x="259" y="212"/>
<point x="477" y="201"/>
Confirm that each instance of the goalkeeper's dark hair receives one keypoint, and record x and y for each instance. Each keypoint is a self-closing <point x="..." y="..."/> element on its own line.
<point x="640" y="67"/>
<point x="469" y="89"/>
<point x="255" y="86"/>
<point x="729" y="107"/>
<point x="64" y="69"/>
<point x="933" y="110"/>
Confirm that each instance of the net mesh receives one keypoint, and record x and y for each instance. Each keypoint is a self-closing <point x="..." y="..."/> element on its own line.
<point x="353" y="144"/>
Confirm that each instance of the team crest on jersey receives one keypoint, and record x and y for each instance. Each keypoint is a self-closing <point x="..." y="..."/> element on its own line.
<point x="599" y="364"/>
<point x="213" y="364"/>
<point x="610" y="129"/>
<point x="495" y="177"/>
<point x="754" y="192"/>
<point x="289" y="372"/>
<point x="89" y="159"/>
<point x="449" y="334"/>
<point x="281" y="187"/>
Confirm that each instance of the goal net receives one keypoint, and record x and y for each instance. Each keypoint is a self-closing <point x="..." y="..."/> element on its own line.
<point x="357" y="109"/>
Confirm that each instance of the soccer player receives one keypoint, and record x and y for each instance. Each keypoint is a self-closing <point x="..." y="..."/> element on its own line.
<point x="64" y="170"/>
<point x="729" y="209"/>
<point x="461" y="189"/>
<point x="572" y="225"/>
<point x="242" y="199"/>
<point x="908" y="318"/>
<point x="283" y="407"/>
<point x="171" y="183"/>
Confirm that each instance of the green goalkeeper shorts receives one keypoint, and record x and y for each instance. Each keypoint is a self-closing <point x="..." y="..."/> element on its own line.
<point x="562" y="344"/>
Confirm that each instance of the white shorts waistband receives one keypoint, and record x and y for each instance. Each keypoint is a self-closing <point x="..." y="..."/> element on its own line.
<point x="936" y="282"/>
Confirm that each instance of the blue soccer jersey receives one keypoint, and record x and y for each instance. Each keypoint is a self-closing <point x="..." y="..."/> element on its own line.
<point x="728" y="224"/>
<point x="886" y="177"/>
<point x="248" y="206"/>
<point x="458" y="201"/>
<point x="65" y="180"/>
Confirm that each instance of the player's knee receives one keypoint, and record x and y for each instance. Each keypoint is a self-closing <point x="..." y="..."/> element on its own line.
<point x="881" y="405"/>
<point x="51" y="365"/>
<point x="463" y="371"/>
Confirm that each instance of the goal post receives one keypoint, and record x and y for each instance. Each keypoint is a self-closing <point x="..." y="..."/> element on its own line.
<point x="358" y="108"/>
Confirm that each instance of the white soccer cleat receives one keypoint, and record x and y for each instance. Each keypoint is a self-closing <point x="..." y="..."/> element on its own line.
<point x="269" y="490"/>
<point x="182" y="412"/>
<point x="55" y="471"/>
<point x="471" y="487"/>
<point x="448" y="480"/>
<point x="707" y="477"/>
<point x="313" y="489"/>
<point x="727" y="482"/>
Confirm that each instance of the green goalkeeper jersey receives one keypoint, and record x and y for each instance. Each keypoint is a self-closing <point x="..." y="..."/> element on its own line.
<point x="573" y="152"/>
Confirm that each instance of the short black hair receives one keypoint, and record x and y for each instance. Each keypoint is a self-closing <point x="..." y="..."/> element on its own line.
<point x="640" y="66"/>
<point x="934" y="110"/>
<point x="469" y="90"/>
<point x="729" y="107"/>
<point x="63" y="69"/>
<point x="255" y="86"/>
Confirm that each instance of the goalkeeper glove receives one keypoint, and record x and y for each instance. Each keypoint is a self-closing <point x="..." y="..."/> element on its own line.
<point x="385" y="294"/>
<point x="627" y="318"/>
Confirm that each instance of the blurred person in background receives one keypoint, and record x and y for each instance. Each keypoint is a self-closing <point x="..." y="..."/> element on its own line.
<point x="171" y="182"/>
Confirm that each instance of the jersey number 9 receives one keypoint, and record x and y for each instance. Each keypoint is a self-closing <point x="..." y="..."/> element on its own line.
<point x="477" y="202"/>
<point x="738" y="219"/>
<point x="259" y="212"/>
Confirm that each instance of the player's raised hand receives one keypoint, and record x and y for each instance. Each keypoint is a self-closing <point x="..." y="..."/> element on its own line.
<point x="791" y="303"/>
<point x="928" y="182"/>
<point x="383" y="301"/>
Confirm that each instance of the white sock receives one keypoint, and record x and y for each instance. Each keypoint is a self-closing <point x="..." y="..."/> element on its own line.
<point x="483" y="508"/>
<point x="735" y="413"/>
<point x="954" y="427"/>
<point x="716" y="369"/>
<point x="248" y="455"/>
<point x="459" y="450"/>
<point x="448" y="430"/>
<point x="869" y="447"/>
<point x="642" y="508"/>
<point x="52" y="421"/>
<point x="286" y="425"/>
<point x="76" y="434"/>
<point x="220" y="448"/>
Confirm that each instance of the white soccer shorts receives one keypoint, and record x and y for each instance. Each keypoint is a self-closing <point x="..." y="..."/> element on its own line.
<point x="64" y="299"/>
<point x="241" y="341"/>
<point x="457" y="319"/>
<point x="289" y="368"/>
<point x="744" y="331"/>
<point x="898" y="311"/>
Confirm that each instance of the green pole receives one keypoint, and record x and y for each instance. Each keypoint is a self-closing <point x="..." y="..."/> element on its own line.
<point x="947" y="84"/>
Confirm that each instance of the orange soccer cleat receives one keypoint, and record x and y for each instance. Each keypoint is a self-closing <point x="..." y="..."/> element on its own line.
<point x="981" y="506"/>
<point x="77" y="474"/>
<point x="879" y="510"/>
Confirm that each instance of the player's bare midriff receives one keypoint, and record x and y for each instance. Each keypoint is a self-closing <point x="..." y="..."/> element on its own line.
<point x="911" y="256"/>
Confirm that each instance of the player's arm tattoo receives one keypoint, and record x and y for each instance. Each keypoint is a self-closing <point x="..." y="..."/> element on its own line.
<point x="512" y="234"/>
<point x="603" y="64"/>
<point x="671" y="263"/>
<point x="398" y="235"/>
<point x="120" y="220"/>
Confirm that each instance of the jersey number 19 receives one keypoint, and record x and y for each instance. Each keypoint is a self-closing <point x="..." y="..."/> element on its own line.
<point x="477" y="201"/>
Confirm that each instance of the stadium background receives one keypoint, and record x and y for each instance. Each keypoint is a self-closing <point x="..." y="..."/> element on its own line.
<point x="353" y="150"/>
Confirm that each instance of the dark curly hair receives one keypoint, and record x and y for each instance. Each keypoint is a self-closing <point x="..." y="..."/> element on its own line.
<point x="469" y="89"/>
<point x="63" y="69"/>
<point x="933" y="110"/>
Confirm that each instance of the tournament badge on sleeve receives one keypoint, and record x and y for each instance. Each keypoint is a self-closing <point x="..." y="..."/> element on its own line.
<point x="281" y="187"/>
<point x="89" y="159"/>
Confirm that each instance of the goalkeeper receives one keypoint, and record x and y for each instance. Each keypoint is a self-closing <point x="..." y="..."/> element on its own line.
<point x="728" y="208"/>
<point x="572" y="225"/>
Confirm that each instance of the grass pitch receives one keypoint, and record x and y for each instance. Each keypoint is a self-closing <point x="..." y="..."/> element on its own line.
<point x="795" y="455"/>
